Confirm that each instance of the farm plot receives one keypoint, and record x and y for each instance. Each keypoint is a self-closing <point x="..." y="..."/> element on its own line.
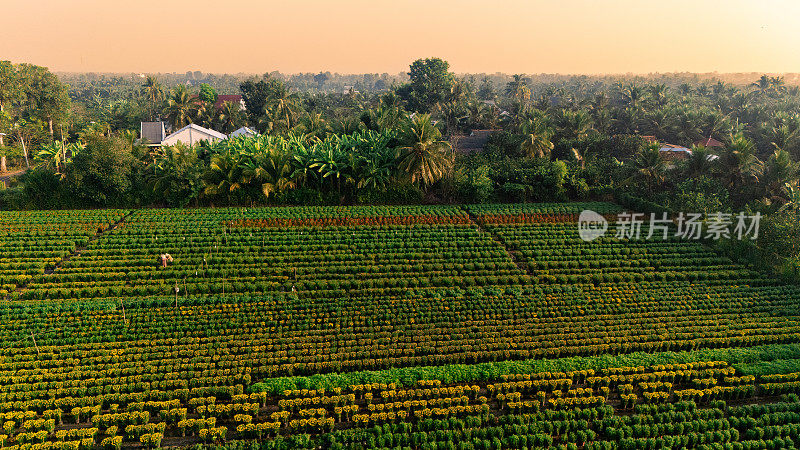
<point x="421" y="327"/>
<point x="545" y="239"/>
<point x="32" y="241"/>
<point x="232" y="250"/>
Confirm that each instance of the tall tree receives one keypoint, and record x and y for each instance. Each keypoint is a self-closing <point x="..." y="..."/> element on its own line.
<point x="282" y="106"/>
<point x="537" y="134"/>
<point x="424" y="156"/>
<point x="230" y="117"/>
<point x="739" y="166"/>
<point x="153" y="93"/>
<point x="46" y="97"/>
<point x="9" y="92"/>
<point x="179" y="106"/>
<point x="518" y="89"/>
<point x="430" y="83"/>
<point x="649" y="168"/>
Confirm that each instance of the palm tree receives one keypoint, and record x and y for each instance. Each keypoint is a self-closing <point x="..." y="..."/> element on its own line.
<point x="282" y="106"/>
<point x="632" y="95"/>
<point x="792" y="194"/>
<point x="779" y="170"/>
<point x="573" y="124"/>
<point x="452" y="113"/>
<point x="179" y="106"/>
<point x="230" y="117"/>
<point x="659" y="93"/>
<point x="684" y="125"/>
<point x="314" y="127"/>
<point x="699" y="164"/>
<point x="649" y="167"/>
<point x="376" y="170"/>
<point x="203" y="114"/>
<point x="271" y="171"/>
<point x="685" y="89"/>
<point x="222" y="177"/>
<point x="518" y="89"/>
<point x="153" y="93"/>
<point x="477" y="113"/>
<point x="176" y="175"/>
<point x="767" y="85"/>
<point x="424" y="156"/>
<point x="785" y="134"/>
<point x="537" y="134"/>
<point x="738" y="163"/>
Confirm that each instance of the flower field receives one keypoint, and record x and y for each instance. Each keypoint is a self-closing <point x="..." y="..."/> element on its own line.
<point x="31" y="242"/>
<point x="489" y="326"/>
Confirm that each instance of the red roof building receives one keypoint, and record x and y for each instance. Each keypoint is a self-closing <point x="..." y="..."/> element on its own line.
<point x="709" y="142"/>
<point x="229" y="98"/>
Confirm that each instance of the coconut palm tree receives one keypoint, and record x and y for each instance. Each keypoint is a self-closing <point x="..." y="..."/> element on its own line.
<point x="699" y="164"/>
<point x="518" y="89"/>
<point x="222" y="177"/>
<point x="779" y="170"/>
<point x="230" y="117"/>
<point x="537" y="134"/>
<point x="649" y="168"/>
<point x="179" y="106"/>
<point x="424" y="156"/>
<point x="573" y="124"/>
<point x="632" y="94"/>
<point x="153" y="92"/>
<point x="659" y="93"/>
<point x="282" y="106"/>
<point x="792" y="194"/>
<point x="314" y="127"/>
<point x="785" y="134"/>
<point x="738" y="164"/>
<point x="685" y="125"/>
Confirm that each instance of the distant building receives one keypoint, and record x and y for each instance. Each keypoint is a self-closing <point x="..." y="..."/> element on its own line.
<point x="230" y="98"/>
<point x="193" y="134"/>
<point x="475" y="142"/>
<point x="244" y="131"/>
<point x="709" y="143"/>
<point x="672" y="152"/>
<point x="152" y="133"/>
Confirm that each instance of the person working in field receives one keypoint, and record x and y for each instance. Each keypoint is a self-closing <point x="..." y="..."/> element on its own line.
<point x="165" y="259"/>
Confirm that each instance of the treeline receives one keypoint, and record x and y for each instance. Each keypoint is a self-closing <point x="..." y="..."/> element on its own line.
<point x="394" y="165"/>
<point x="553" y="139"/>
<point x="34" y="106"/>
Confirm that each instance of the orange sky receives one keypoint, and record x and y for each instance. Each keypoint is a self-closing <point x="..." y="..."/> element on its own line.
<point x="356" y="36"/>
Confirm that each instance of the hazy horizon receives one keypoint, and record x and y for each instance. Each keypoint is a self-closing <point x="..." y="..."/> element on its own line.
<point x="575" y="37"/>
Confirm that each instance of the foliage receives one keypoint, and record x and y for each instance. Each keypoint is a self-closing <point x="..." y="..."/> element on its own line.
<point x="430" y="83"/>
<point x="100" y="175"/>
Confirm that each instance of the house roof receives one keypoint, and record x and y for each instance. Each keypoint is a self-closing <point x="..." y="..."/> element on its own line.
<point x="709" y="142"/>
<point x="227" y="98"/>
<point x="152" y="132"/>
<point x="674" y="148"/>
<point x="244" y="131"/>
<point x="192" y="134"/>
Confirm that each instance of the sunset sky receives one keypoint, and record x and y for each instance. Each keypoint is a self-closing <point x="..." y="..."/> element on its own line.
<point x="357" y="36"/>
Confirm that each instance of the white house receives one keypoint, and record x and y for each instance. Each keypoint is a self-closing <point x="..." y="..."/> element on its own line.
<point x="192" y="134"/>
<point x="244" y="131"/>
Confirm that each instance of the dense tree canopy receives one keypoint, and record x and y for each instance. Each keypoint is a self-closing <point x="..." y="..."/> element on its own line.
<point x="331" y="138"/>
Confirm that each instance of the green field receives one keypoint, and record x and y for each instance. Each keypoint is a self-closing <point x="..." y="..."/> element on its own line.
<point x="431" y="327"/>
